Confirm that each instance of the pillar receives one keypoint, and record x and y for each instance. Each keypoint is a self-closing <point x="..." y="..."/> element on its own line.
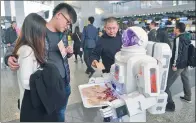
<point x="7" y="7"/>
<point x="20" y="14"/>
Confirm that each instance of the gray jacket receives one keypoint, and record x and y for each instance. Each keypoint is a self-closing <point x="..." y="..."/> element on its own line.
<point x="53" y="56"/>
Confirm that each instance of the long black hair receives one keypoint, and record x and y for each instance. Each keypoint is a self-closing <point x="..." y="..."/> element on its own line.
<point x="77" y="30"/>
<point x="33" y="34"/>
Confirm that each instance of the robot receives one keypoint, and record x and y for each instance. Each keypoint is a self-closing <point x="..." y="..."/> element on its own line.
<point x="139" y="76"/>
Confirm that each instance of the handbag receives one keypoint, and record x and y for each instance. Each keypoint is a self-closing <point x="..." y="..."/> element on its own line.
<point x="78" y="37"/>
<point x="80" y="41"/>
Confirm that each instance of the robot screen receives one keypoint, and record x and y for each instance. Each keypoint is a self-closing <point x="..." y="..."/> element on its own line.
<point x="116" y="72"/>
<point x="153" y="80"/>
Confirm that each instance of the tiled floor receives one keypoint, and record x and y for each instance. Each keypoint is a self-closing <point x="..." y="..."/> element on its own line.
<point x="75" y="110"/>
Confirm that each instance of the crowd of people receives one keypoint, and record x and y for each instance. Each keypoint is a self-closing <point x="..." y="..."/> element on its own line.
<point x="35" y="56"/>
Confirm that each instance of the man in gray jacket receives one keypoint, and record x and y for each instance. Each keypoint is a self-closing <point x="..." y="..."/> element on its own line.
<point x="89" y="40"/>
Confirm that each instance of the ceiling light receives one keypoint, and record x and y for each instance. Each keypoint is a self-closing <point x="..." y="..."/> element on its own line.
<point x="98" y="11"/>
<point x="114" y="2"/>
<point x="70" y="2"/>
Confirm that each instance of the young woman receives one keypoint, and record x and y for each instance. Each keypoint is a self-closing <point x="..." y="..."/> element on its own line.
<point x="30" y="51"/>
<point x="77" y="43"/>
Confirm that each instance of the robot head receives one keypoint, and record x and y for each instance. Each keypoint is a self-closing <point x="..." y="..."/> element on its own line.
<point x="134" y="36"/>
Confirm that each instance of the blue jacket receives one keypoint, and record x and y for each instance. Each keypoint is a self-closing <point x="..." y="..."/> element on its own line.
<point x="89" y="37"/>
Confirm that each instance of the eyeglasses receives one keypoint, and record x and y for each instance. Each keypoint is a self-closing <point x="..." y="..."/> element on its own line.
<point x="68" y="21"/>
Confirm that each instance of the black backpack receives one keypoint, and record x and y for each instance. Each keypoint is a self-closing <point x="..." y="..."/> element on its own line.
<point x="191" y="56"/>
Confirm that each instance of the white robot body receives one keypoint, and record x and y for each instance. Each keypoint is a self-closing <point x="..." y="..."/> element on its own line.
<point x="132" y="67"/>
<point x="139" y="76"/>
<point x="132" y="79"/>
<point x="162" y="53"/>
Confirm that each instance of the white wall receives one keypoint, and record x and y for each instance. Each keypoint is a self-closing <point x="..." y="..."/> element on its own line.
<point x="20" y="13"/>
<point x="34" y="7"/>
<point x="2" y="8"/>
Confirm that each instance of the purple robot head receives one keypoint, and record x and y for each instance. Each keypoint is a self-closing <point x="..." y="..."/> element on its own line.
<point x="134" y="36"/>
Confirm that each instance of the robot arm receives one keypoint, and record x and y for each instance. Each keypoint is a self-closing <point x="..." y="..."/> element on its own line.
<point x="129" y="105"/>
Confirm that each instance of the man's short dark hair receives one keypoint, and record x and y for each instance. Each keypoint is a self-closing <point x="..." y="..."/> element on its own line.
<point x="110" y="19"/>
<point x="91" y="19"/>
<point x="70" y="10"/>
<point x="153" y="23"/>
<point x="181" y="26"/>
<point x="13" y="22"/>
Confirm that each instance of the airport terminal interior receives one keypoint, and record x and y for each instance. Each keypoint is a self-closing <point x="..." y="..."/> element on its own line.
<point x="128" y="14"/>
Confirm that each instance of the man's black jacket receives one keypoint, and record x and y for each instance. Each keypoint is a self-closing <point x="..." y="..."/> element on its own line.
<point x="180" y="51"/>
<point x="10" y="35"/>
<point x="106" y="48"/>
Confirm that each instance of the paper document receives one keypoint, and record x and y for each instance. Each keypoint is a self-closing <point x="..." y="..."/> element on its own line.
<point x="100" y="66"/>
<point x="62" y="48"/>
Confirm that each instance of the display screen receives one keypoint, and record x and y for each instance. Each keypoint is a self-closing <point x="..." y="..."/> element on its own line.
<point x="121" y="111"/>
<point x="153" y="80"/>
<point x="116" y="72"/>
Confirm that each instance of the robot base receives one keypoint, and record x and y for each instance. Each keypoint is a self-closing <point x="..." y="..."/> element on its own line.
<point x="160" y="106"/>
<point x="140" y="117"/>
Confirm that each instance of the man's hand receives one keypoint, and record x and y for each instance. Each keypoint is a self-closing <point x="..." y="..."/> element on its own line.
<point x="9" y="45"/>
<point x="94" y="63"/>
<point x="69" y="49"/>
<point x="81" y="49"/>
<point x="12" y="63"/>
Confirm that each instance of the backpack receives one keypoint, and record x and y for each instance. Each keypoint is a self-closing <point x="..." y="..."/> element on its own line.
<point x="191" y="56"/>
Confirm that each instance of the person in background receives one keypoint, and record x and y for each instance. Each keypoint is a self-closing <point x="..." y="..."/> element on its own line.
<point x="107" y="46"/>
<point x="63" y="16"/>
<point x="89" y="40"/>
<point x="76" y="37"/>
<point x="152" y="34"/>
<point x="11" y="34"/>
<point x="178" y="66"/>
<point x="162" y="35"/>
